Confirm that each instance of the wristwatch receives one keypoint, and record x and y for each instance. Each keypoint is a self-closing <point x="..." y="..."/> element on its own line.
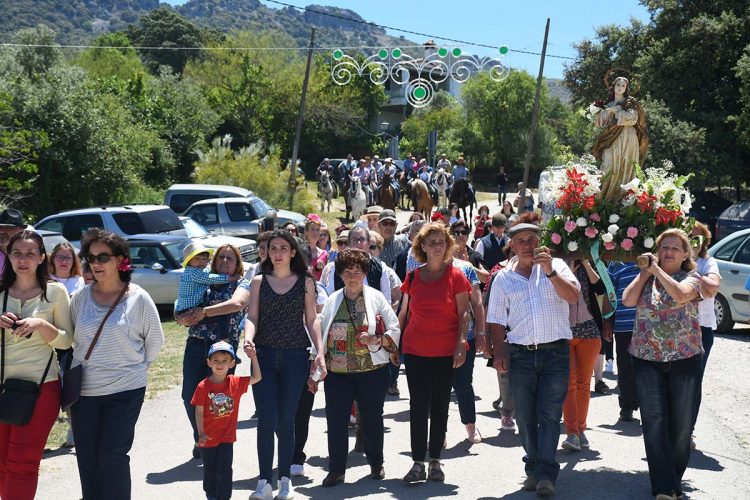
<point x="552" y="274"/>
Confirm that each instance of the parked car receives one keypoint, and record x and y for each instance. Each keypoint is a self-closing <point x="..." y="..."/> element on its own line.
<point x="125" y="220"/>
<point x="241" y="217"/>
<point x="733" y="256"/>
<point x="50" y="239"/>
<point x="707" y="207"/>
<point x="180" y="197"/>
<point x="734" y="218"/>
<point x="248" y="248"/>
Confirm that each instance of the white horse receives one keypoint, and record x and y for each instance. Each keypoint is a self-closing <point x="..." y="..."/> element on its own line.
<point x="441" y="182"/>
<point x="357" y="197"/>
<point x="325" y="190"/>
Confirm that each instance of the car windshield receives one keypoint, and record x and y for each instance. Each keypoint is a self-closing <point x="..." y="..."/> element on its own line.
<point x="193" y="229"/>
<point x="150" y="222"/>
<point x="260" y="207"/>
<point x="175" y="249"/>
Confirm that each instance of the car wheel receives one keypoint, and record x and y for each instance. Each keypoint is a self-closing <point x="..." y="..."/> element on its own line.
<point x="724" y="321"/>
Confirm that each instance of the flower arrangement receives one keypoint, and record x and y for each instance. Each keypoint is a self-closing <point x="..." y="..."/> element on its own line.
<point x="594" y="109"/>
<point x="655" y="200"/>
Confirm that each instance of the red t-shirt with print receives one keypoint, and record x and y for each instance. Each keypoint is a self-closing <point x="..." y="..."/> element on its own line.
<point x="221" y="406"/>
<point x="432" y="327"/>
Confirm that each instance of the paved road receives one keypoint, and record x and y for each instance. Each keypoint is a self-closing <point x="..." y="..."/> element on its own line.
<point x="613" y="468"/>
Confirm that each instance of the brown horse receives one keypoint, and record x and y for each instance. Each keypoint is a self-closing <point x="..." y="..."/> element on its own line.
<point x="421" y="197"/>
<point x="386" y="193"/>
<point x="461" y="195"/>
<point x="403" y="182"/>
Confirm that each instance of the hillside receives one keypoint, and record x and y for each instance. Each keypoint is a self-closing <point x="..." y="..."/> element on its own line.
<point x="81" y="20"/>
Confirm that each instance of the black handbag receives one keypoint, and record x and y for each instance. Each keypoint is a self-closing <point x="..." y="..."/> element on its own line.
<point x="17" y="397"/>
<point x="72" y="379"/>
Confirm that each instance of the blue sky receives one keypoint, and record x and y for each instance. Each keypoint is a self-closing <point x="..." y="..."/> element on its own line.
<point x="519" y="25"/>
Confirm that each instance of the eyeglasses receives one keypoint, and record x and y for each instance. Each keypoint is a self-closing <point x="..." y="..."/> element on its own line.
<point x="387" y="222"/>
<point x="63" y="258"/>
<point x="102" y="258"/>
<point x="462" y="232"/>
<point x="358" y="240"/>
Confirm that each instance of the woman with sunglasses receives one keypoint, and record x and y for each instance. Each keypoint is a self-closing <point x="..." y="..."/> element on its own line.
<point x="708" y="269"/>
<point x="220" y="317"/>
<point x="65" y="267"/>
<point x="35" y="319"/>
<point x="667" y="357"/>
<point x="114" y="375"/>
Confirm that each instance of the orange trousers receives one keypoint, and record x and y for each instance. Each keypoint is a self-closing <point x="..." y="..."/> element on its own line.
<point x="583" y="353"/>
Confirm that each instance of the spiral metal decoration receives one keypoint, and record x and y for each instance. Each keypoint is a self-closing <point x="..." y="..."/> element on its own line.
<point x="420" y="75"/>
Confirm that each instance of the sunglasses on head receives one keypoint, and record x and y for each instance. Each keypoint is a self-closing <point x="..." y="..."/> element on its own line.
<point x="101" y="258"/>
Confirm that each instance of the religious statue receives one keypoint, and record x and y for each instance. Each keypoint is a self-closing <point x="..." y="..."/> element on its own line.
<point x="624" y="140"/>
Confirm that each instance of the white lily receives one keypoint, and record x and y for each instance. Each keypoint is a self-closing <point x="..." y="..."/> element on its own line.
<point x="634" y="184"/>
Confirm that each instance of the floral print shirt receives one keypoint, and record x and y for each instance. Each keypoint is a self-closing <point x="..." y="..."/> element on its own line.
<point x="226" y="327"/>
<point x="345" y="354"/>
<point x="664" y="330"/>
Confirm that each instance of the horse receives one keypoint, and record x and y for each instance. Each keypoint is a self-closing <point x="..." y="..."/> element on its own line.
<point x="356" y="198"/>
<point x="421" y="198"/>
<point x="386" y="193"/>
<point x="325" y="190"/>
<point x="441" y="181"/>
<point x="405" y="185"/>
<point x="461" y="196"/>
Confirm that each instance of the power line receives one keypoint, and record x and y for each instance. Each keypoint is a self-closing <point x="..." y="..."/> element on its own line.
<point x="401" y="30"/>
<point x="318" y="48"/>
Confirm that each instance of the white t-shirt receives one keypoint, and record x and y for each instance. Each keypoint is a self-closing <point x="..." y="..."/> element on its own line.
<point x="706" y="312"/>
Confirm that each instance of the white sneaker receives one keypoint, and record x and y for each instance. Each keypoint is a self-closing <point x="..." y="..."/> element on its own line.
<point x="297" y="470"/>
<point x="286" y="491"/>
<point x="263" y="491"/>
<point x="610" y="367"/>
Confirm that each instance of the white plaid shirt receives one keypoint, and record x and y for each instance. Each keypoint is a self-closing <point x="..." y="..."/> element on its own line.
<point x="530" y="308"/>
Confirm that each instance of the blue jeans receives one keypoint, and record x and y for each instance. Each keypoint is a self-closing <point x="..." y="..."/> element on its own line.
<point x="104" y="427"/>
<point x="217" y="471"/>
<point x="341" y="390"/>
<point x="277" y="395"/>
<point x="668" y="393"/>
<point x="539" y="383"/>
<point x="463" y="377"/>
<point x="194" y="369"/>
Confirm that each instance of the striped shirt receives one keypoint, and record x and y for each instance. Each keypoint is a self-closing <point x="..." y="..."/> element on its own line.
<point x="393" y="248"/>
<point x="194" y="283"/>
<point x="622" y="274"/>
<point x="128" y="344"/>
<point x="530" y="307"/>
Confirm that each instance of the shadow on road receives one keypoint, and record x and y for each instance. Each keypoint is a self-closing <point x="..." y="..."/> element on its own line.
<point x="188" y="471"/>
<point x="365" y="486"/>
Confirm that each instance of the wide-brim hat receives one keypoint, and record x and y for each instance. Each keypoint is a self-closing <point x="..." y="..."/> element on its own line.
<point x="193" y="249"/>
<point x="373" y="210"/>
<point x="388" y="214"/>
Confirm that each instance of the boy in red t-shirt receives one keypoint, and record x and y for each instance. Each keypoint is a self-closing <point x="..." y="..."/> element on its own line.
<point x="217" y="405"/>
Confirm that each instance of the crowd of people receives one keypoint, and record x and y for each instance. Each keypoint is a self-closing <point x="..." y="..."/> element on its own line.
<point x="346" y="310"/>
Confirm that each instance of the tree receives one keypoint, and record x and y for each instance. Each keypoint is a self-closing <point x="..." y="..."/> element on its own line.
<point x="18" y="151"/>
<point x="38" y="53"/>
<point x="445" y="115"/>
<point x="122" y="63"/>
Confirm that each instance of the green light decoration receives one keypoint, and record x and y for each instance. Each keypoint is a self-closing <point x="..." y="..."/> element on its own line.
<point x="419" y="75"/>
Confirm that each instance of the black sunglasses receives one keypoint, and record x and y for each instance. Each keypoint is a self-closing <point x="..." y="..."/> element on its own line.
<point x="463" y="232"/>
<point x="102" y="258"/>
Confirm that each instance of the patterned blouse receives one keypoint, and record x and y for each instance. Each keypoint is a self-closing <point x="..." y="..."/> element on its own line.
<point x="225" y="327"/>
<point x="664" y="330"/>
<point x="344" y="353"/>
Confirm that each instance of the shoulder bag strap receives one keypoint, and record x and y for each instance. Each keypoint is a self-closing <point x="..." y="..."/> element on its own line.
<point x="106" y="317"/>
<point x="2" y="350"/>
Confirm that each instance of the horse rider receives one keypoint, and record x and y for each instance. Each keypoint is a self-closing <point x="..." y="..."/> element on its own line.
<point x="325" y="166"/>
<point x="364" y="172"/>
<point x="426" y="175"/>
<point x="460" y="171"/>
<point x="408" y="162"/>
<point x="444" y="163"/>
<point x="390" y="169"/>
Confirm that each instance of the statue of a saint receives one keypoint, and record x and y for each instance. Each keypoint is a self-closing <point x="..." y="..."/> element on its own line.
<point x="623" y="142"/>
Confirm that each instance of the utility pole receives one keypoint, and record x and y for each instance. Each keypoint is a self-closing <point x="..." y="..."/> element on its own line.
<point x="534" y="116"/>
<point x="300" y="121"/>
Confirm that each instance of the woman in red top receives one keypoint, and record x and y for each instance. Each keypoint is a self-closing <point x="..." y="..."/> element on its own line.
<point x="434" y="319"/>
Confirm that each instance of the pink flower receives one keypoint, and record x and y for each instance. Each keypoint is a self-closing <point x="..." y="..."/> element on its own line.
<point x="556" y="238"/>
<point x="632" y="232"/>
<point x="595" y="217"/>
<point x="609" y="245"/>
<point x="591" y="232"/>
<point x="570" y="226"/>
<point x="627" y="244"/>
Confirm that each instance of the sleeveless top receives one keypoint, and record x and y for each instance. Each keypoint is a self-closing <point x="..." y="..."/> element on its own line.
<point x="280" y="317"/>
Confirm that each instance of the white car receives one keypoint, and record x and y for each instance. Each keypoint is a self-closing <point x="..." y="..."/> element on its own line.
<point x="248" y="248"/>
<point x="733" y="256"/>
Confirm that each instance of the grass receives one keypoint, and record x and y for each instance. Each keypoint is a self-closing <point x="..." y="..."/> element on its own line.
<point x="163" y="374"/>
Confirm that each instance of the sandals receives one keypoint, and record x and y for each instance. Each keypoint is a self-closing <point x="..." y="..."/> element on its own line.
<point x="435" y="472"/>
<point x="474" y="437"/>
<point x="417" y="473"/>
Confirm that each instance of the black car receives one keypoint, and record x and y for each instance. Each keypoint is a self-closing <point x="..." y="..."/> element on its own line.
<point x="707" y="207"/>
<point x="734" y="218"/>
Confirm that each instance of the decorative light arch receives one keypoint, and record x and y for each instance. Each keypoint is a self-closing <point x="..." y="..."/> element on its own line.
<point x="420" y="74"/>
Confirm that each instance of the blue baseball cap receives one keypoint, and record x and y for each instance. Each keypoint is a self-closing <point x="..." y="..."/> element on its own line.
<point x="221" y="346"/>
